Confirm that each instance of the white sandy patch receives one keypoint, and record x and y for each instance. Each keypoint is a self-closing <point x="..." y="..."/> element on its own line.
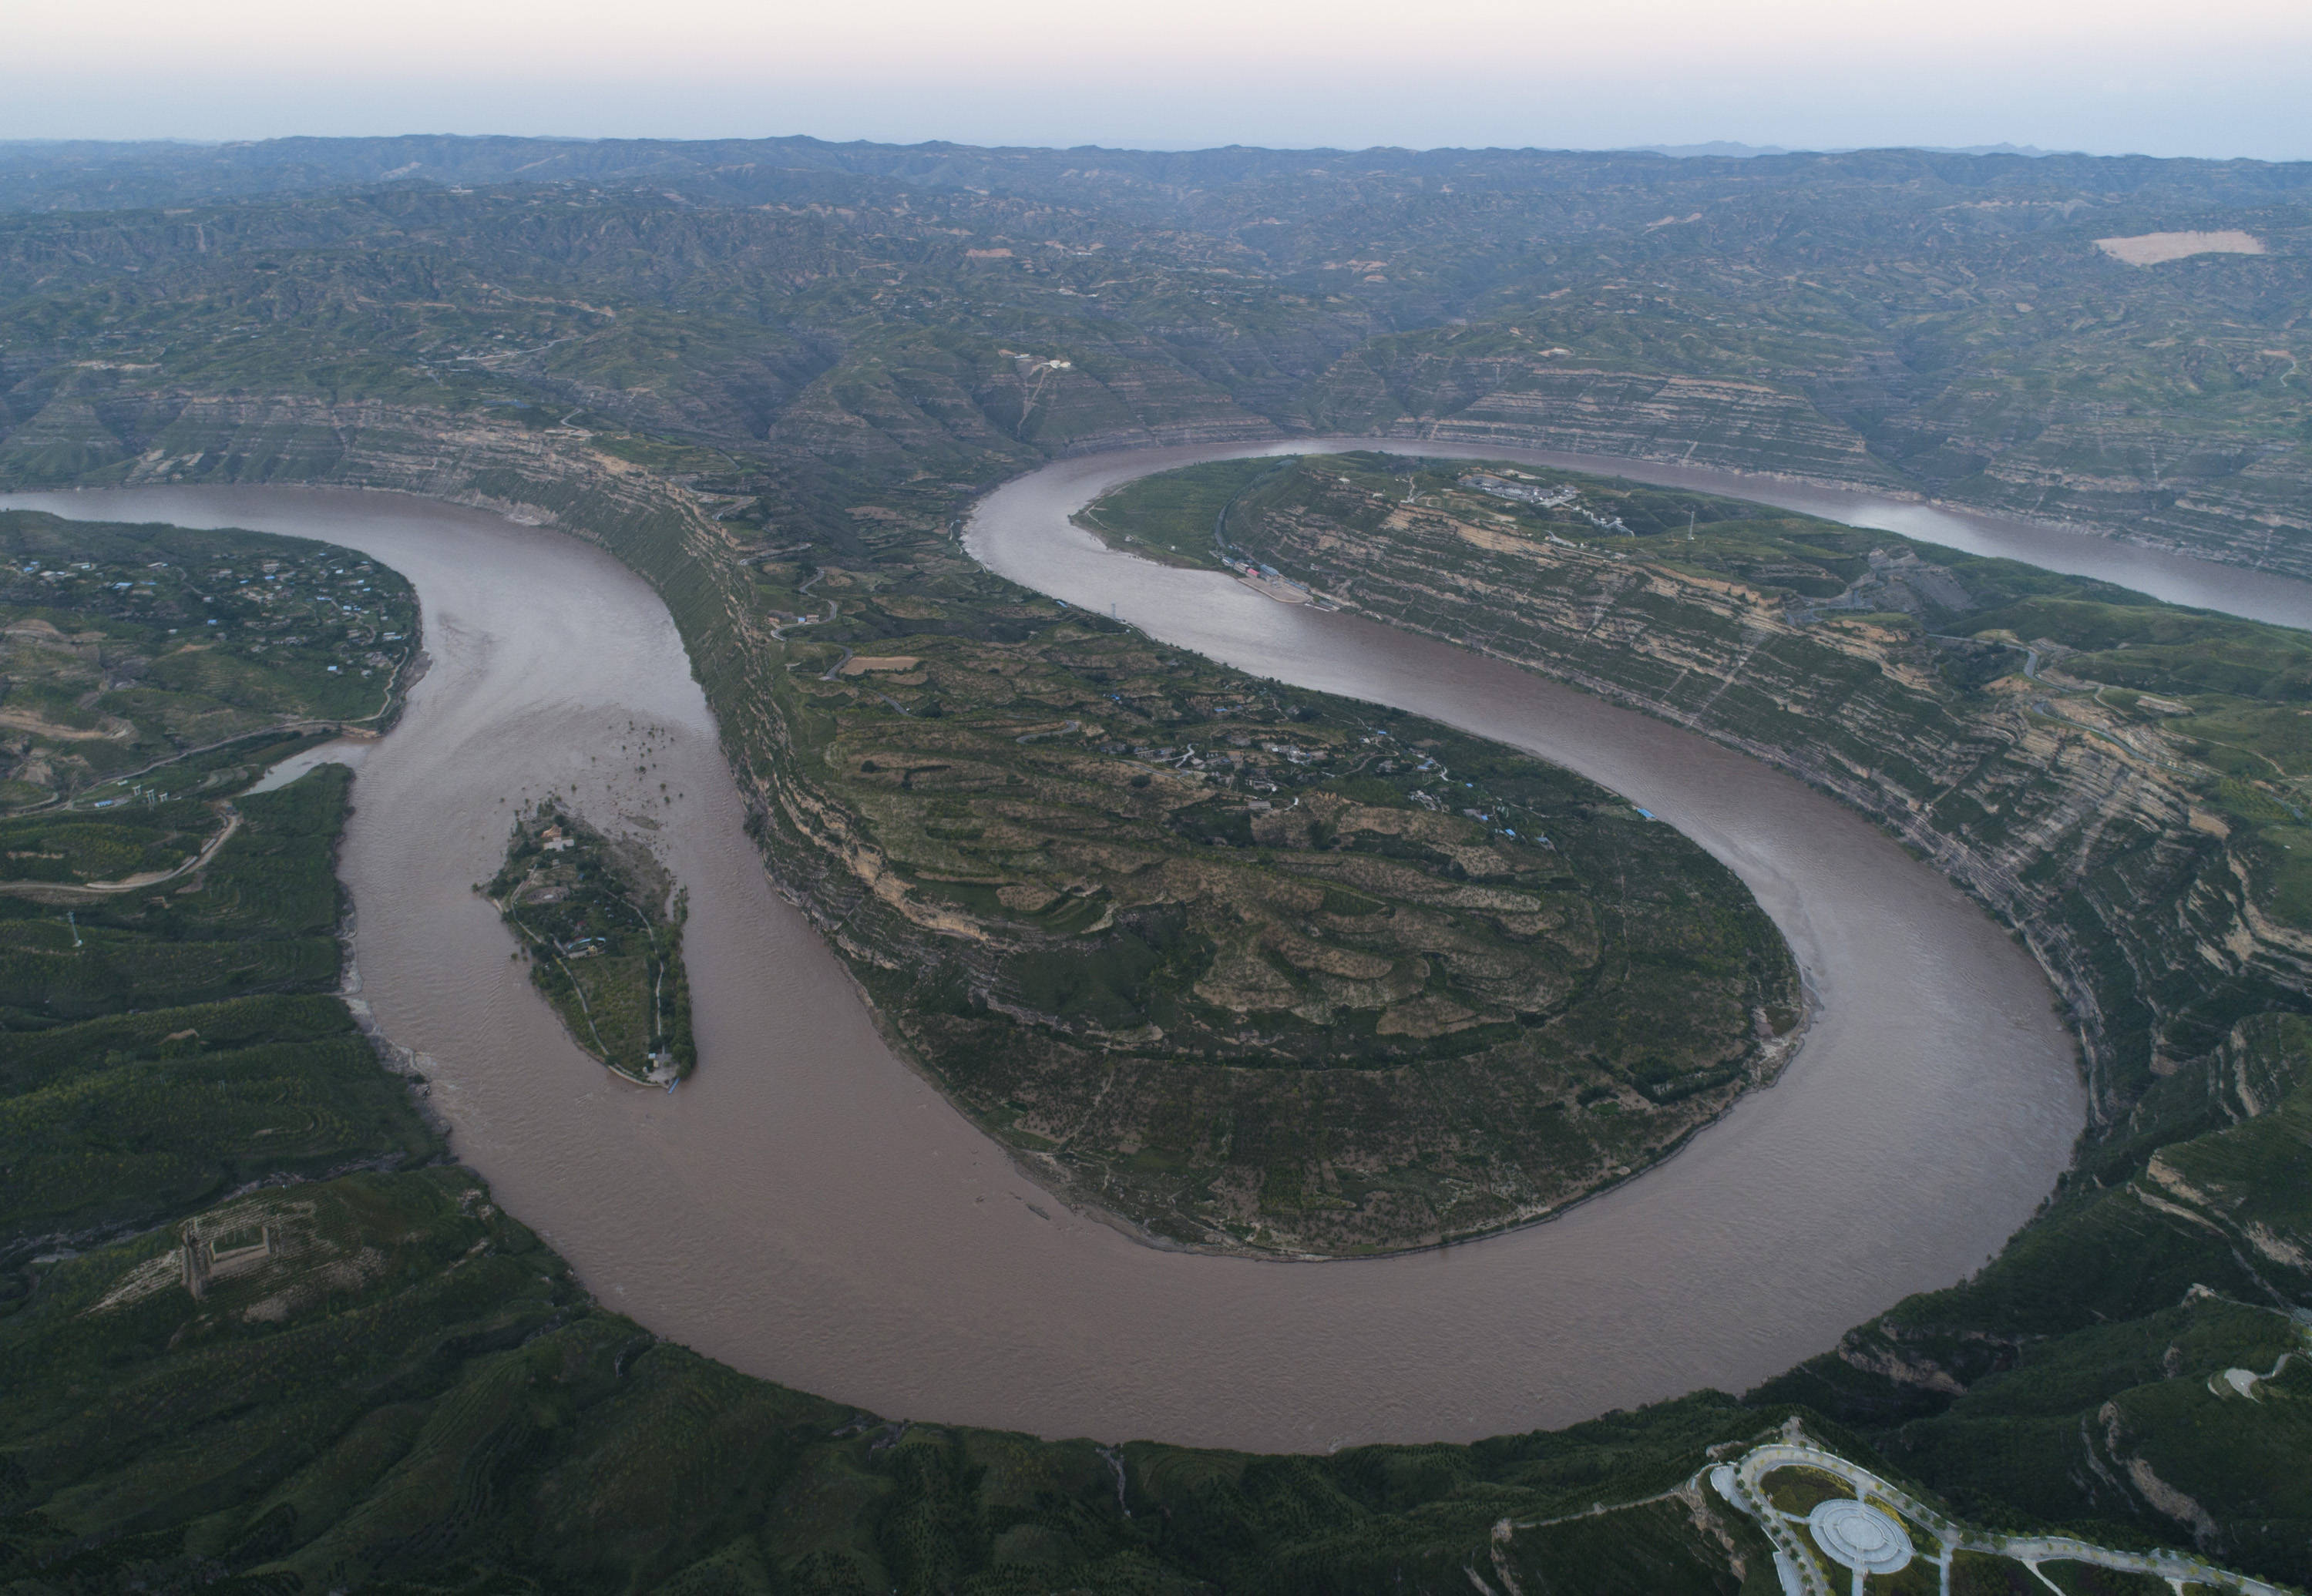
<point x="2149" y="248"/>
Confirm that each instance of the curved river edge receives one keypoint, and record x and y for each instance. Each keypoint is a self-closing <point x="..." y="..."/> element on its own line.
<point x="2163" y="574"/>
<point x="809" y="1210"/>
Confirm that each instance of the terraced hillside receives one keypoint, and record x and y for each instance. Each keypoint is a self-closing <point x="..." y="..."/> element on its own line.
<point x="2122" y="780"/>
<point x="2069" y="752"/>
<point x="1257" y="970"/>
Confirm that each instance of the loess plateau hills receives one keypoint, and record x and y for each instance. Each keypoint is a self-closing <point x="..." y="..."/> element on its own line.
<point x="258" y="1333"/>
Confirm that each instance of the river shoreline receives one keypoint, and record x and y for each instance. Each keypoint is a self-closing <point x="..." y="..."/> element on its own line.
<point x="842" y="1230"/>
<point x="2164" y="572"/>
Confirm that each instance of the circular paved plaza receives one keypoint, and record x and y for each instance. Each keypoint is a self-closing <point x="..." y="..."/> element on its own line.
<point x="1861" y="1536"/>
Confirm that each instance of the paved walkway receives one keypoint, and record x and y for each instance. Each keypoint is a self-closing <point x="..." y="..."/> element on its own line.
<point x="1740" y="1483"/>
<point x="85" y="891"/>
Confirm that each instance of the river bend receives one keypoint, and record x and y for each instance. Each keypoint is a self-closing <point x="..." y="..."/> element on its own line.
<point x="807" y="1209"/>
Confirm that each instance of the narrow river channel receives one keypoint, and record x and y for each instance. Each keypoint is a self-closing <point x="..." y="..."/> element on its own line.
<point x="809" y="1210"/>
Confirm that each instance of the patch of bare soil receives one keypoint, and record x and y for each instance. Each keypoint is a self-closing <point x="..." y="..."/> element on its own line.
<point x="2151" y="248"/>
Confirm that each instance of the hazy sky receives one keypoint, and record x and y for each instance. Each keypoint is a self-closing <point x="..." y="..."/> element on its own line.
<point x="2208" y="78"/>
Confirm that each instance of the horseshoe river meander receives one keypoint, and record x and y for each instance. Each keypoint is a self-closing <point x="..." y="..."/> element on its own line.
<point x="806" y="1208"/>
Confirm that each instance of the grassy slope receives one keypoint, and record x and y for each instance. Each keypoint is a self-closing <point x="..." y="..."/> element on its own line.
<point x="191" y="1044"/>
<point x="461" y="1419"/>
<point x="1173" y="515"/>
<point x="2090" y="1354"/>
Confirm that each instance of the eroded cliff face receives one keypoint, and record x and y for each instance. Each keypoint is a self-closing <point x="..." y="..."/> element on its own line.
<point x="2080" y="826"/>
<point x="2241" y="505"/>
<point x="152" y="439"/>
<point x="1578" y="407"/>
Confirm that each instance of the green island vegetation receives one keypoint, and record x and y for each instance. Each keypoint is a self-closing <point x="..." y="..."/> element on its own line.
<point x="601" y="924"/>
<point x="142" y="663"/>
<point x="772" y="376"/>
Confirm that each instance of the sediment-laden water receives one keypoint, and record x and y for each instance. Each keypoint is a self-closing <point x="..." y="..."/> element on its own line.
<point x="807" y="1209"/>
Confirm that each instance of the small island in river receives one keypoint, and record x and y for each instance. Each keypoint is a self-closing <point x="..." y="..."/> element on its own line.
<point x="601" y="924"/>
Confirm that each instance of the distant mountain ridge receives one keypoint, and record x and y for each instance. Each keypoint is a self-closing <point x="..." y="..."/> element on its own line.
<point x="1741" y="152"/>
<point x="90" y="175"/>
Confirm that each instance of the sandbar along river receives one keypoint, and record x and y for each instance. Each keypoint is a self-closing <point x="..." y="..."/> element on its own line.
<point x="807" y="1209"/>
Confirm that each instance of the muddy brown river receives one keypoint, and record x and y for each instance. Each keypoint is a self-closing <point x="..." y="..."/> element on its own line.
<point x="807" y="1209"/>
